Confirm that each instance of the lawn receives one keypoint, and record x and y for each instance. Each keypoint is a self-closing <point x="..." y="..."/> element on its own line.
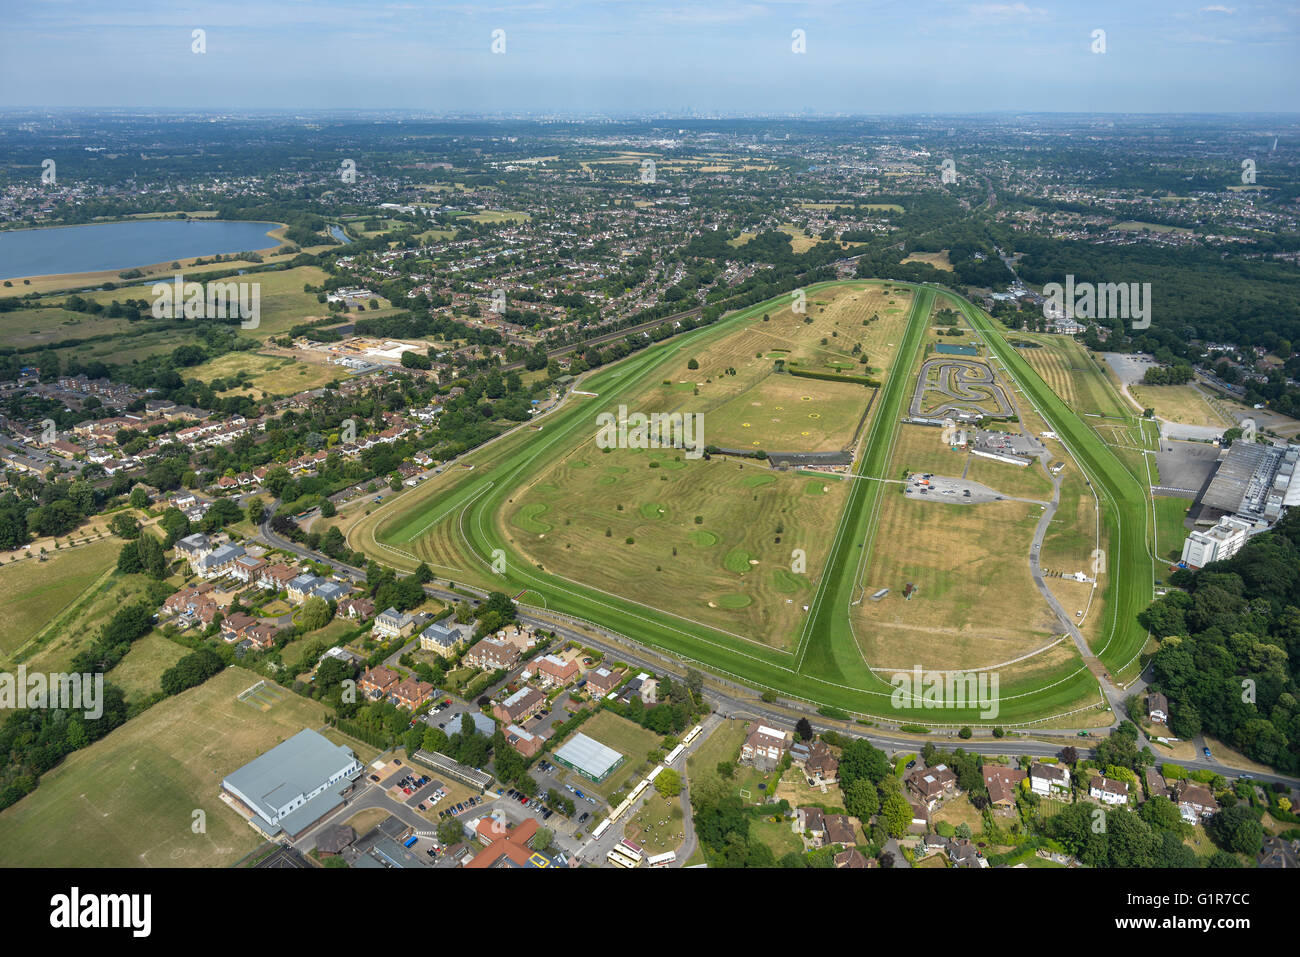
<point x="1170" y="530"/>
<point x="959" y="811"/>
<point x="657" y="827"/>
<point x="128" y="799"/>
<point x="722" y="745"/>
<point x="777" y="835"/>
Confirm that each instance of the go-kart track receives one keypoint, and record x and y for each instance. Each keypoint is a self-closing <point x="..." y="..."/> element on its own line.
<point x="964" y="384"/>
<point x="826" y="666"/>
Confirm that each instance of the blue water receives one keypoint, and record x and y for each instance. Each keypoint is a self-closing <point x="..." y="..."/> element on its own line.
<point x="64" y="249"/>
<point x="338" y="233"/>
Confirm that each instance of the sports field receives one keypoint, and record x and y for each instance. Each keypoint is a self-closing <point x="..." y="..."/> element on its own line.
<point x="509" y="500"/>
<point x="128" y="800"/>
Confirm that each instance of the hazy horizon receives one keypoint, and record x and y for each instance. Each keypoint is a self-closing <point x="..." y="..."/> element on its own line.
<point x="731" y="58"/>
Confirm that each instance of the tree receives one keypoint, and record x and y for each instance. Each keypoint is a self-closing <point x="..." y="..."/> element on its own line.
<point x="256" y="512"/>
<point x="897" y="813"/>
<point x="124" y="525"/>
<point x="1236" y="829"/>
<point x="804" y="729"/>
<point x="862" y="800"/>
<point x="668" y="783"/>
<point x="315" y="613"/>
<point x="139" y="497"/>
<point x="450" y="831"/>
<point x="328" y="509"/>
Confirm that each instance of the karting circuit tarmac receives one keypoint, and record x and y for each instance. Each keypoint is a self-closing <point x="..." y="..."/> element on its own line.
<point x="965" y="384"/>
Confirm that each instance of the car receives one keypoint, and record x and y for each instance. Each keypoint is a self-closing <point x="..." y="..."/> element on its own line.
<point x="407" y="791"/>
<point x="1206" y="752"/>
<point x="432" y="852"/>
<point x="397" y="761"/>
<point x="569" y="787"/>
<point x="910" y="765"/>
<point x="579" y="793"/>
<point x="442" y="814"/>
<point x="500" y="791"/>
<point x="422" y="807"/>
<point x="374" y="777"/>
<point x="1245" y="777"/>
<point x="524" y="801"/>
<point x="585" y="815"/>
<point x="591" y="801"/>
<point x="546" y="814"/>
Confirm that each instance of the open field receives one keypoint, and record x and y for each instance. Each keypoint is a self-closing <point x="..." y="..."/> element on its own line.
<point x="976" y="604"/>
<point x="456" y="521"/>
<point x="282" y="303"/>
<point x="1185" y="404"/>
<point x="139" y="672"/>
<point x="32" y="593"/>
<point x="156" y="769"/>
<point x="938" y="260"/>
<point x="258" y="376"/>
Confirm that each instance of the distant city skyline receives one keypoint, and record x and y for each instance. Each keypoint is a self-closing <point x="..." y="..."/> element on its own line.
<point x="723" y="57"/>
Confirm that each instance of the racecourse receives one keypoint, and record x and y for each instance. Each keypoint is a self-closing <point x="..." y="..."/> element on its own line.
<point x="826" y="666"/>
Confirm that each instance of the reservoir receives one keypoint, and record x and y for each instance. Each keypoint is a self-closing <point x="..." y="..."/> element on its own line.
<point x="120" y="246"/>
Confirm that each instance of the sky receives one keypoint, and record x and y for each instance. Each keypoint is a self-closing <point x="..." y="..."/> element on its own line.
<point x="710" y="57"/>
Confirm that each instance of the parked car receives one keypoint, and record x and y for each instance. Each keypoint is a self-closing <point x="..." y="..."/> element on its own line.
<point x="585" y="815"/>
<point x="374" y="777"/>
<point x="1208" y="756"/>
<point x="422" y="807"/>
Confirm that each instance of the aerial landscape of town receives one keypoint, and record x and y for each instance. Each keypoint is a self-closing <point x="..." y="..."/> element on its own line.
<point x="559" y="474"/>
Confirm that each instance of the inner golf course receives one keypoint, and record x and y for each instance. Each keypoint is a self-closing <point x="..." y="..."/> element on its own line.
<point x="792" y="630"/>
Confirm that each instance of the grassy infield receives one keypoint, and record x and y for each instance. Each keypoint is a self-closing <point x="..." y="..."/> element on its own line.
<point x="826" y="667"/>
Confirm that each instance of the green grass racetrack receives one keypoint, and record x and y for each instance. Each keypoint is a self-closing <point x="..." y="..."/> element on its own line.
<point x="826" y="667"/>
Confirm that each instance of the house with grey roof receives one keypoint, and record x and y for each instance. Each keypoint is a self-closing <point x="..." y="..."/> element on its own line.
<point x="442" y="637"/>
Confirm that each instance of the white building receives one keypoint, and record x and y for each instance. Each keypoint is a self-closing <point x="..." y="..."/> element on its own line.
<point x="1221" y="542"/>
